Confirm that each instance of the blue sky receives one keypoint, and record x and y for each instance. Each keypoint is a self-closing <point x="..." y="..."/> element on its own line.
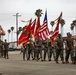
<point x="27" y="8"/>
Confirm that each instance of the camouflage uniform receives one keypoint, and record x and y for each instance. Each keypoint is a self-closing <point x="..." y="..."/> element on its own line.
<point x="29" y="48"/>
<point x="69" y="47"/>
<point x="23" y="49"/>
<point x="45" y="48"/>
<point x="74" y="56"/>
<point x="34" y="51"/>
<point x="1" y="50"/>
<point x="5" y="48"/>
<point x="49" y="51"/>
<point x="53" y="51"/>
<point x="59" y="49"/>
<point x="38" y="44"/>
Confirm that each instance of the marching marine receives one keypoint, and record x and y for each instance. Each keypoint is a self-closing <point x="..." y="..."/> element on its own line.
<point x="59" y="48"/>
<point x="69" y="47"/>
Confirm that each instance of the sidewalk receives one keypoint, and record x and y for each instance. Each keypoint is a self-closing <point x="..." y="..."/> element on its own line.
<point x="14" y="52"/>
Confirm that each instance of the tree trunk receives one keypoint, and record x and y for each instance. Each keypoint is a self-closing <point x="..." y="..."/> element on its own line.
<point x="72" y="31"/>
<point x="8" y="37"/>
<point x="61" y="30"/>
<point x="52" y="28"/>
<point x="75" y="30"/>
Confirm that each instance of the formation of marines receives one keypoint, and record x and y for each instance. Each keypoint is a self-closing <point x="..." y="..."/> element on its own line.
<point x="39" y="50"/>
<point x="62" y="50"/>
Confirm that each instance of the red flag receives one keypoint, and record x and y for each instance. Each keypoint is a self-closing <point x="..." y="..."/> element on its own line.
<point x="28" y="28"/>
<point x="33" y="26"/>
<point x="24" y="37"/>
<point x="56" y="31"/>
<point x="37" y="27"/>
<point x="44" y="31"/>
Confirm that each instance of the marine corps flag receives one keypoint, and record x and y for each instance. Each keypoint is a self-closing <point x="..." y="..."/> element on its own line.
<point x="56" y="31"/>
<point x="25" y="35"/>
<point x="33" y="27"/>
<point x="36" y="29"/>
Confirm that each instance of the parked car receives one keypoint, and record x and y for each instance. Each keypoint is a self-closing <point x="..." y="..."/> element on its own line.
<point x="11" y="49"/>
<point x="18" y="48"/>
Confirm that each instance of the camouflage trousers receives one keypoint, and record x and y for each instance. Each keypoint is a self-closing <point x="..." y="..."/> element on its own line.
<point x="51" y="52"/>
<point x="38" y="52"/>
<point x="6" y="54"/>
<point x="69" y="53"/>
<point x="29" y="53"/>
<point x="59" y="52"/>
<point x="45" y="52"/>
<point x="73" y="54"/>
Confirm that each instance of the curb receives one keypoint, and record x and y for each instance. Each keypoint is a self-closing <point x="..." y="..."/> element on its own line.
<point x="0" y="73"/>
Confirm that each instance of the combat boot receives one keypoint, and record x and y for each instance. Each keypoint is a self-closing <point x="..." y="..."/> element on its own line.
<point x="57" y="62"/>
<point x="73" y="62"/>
<point x="49" y="60"/>
<point x="63" y="62"/>
<point x="66" y="62"/>
<point x="23" y="59"/>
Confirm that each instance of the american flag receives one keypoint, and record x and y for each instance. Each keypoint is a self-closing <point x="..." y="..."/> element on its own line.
<point x="44" y="31"/>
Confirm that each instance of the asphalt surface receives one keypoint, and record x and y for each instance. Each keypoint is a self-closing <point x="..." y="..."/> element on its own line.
<point x="16" y="66"/>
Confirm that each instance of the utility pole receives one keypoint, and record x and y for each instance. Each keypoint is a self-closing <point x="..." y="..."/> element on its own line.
<point x="17" y="25"/>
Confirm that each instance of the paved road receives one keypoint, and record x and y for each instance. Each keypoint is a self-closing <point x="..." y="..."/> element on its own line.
<point x="16" y="66"/>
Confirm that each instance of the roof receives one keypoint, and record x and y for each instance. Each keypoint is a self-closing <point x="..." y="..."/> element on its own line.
<point x="2" y="32"/>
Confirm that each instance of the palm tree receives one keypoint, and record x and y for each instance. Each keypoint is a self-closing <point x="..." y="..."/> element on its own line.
<point x="8" y="33"/>
<point x="20" y="29"/>
<point x="74" y="22"/>
<point x="24" y="27"/>
<point x="38" y="13"/>
<point x="62" y="24"/>
<point x="72" y="28"/>
<point x="52" y="24"/>
<point x="12" y="28"/>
